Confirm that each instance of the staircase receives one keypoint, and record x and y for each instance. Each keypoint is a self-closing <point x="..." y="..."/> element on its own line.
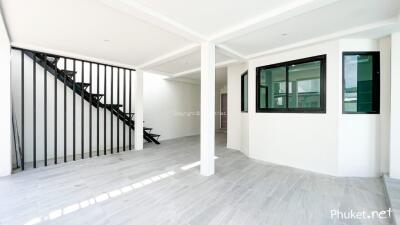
<point x="80" y="88"/>
<point x="32" y="128"/>
<point x="46" y="127"/>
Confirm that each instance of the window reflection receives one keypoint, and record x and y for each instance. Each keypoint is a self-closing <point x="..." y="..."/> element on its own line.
<point x="359" y="95"/>
<point x="304" y="85"/>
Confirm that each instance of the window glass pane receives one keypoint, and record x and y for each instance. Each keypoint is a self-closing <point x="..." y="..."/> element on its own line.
<point x="358" y="83"/>
<point x="245" y="81"/>
<point x="272" y="88"/>
<point x="304" y="85"/>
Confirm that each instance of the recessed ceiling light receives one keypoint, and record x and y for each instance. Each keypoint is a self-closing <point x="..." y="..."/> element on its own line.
<point x="284" y="34"/>
<point x="106" y="40"/>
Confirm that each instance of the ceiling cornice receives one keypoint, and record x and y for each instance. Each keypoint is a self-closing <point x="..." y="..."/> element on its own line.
<point x="217" y="65"/>
<point x="153" y="17"/>
<point x="230" y="52"/>
<point x="149" y="15"/>
<point x="170" y="56"/>
<point x="300" y="7"/>
<point x="278" y="15"/>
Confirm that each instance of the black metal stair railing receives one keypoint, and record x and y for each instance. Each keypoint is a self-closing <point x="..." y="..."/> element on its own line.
<point x="58" y="67"/>
<point x="16" y="139"/>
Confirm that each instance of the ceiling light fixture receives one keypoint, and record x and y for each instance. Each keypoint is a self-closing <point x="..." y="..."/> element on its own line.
<point x="284" y="34"/>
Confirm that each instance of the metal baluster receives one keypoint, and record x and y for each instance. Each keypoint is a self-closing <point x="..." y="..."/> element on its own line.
<point x="90" y="112"/>
<point x="105" y="110"/>
<point x="124" y="124"/>
<point x="55" y="114"/>
<point x="45" y="109"/>
<point x="73" y="114"/>
<point x="83" y="114"/>
<point x="118" y="81"/>
<point x="23" y="109"/>
<point x="112" y="116"/>
<point x="98" y="105"/>
<point x="130" y="110"/>
<point x="34" y="110"/>
<point x="65" y="110"/>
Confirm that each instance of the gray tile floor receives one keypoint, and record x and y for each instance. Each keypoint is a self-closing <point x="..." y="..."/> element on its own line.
<point x="393" y="192"/>
<point x="154" y="187"/>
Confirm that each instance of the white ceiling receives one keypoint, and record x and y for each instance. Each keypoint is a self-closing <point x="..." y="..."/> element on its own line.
<point x="209" y="17"/>
<point x="186" y="63"/>
<point x="220" y="77"/>
<point x="164" y="36"/>
<point x="339" y="16"/>
<point x="81" y="26"/>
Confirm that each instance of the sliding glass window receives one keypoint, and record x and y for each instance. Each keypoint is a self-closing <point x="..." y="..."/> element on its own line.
<point x="244" y="92"/>
<point x="305" y="85"/>
<point x="272" y="88"/>
<point x="295" y="86"/>
<point x="361" y="82"/>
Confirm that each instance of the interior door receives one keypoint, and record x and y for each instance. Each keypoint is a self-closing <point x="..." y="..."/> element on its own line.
<point x="224" y="111"/>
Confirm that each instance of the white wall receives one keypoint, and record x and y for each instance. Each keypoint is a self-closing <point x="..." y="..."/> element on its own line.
<point x="171" y="108"/>
<point x="244" y="137"/>
<point x="395" y="108"/>
<point x="331" y="143"/>
<point x="235" y="132"/>
<point x="359" y="134"/>
<point x="385" y="49"/>
<point x="306" y="141"/>
<point x="5" y="95"/>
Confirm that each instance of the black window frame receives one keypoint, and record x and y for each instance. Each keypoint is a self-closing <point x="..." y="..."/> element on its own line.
<point x="376" y="84"/>
<point x="242" y="92"/>
<point x="321" y="109"/>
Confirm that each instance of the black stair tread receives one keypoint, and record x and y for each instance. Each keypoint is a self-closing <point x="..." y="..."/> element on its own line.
<point x="80" y="83"/>
<point x="49" y="58"/>
<point x="155" y="135"/>
<point x="53" y="60"/>
<point x="130" y="115"/>
<point x="69" y="73"/>
<point x="114" y="105"/>
<point x="83" y="84"/>
<point x="97" y="95"/>
<point x="147" y="128"/>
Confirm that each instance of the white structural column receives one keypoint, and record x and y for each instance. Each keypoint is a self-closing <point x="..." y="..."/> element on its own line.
<point x="207" y="133"/>
<point x="138" y="84"/>
<point x="5" y="98"/>
<point x="395" y="107"/>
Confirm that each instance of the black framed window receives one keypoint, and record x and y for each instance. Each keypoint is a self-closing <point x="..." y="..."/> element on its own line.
<point x="244" y="92"/>
<point x="361" y="82"/>
<point x="296" y="86"/>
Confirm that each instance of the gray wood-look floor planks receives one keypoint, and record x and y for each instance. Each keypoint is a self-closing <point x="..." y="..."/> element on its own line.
<point x="150" y="187"/>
